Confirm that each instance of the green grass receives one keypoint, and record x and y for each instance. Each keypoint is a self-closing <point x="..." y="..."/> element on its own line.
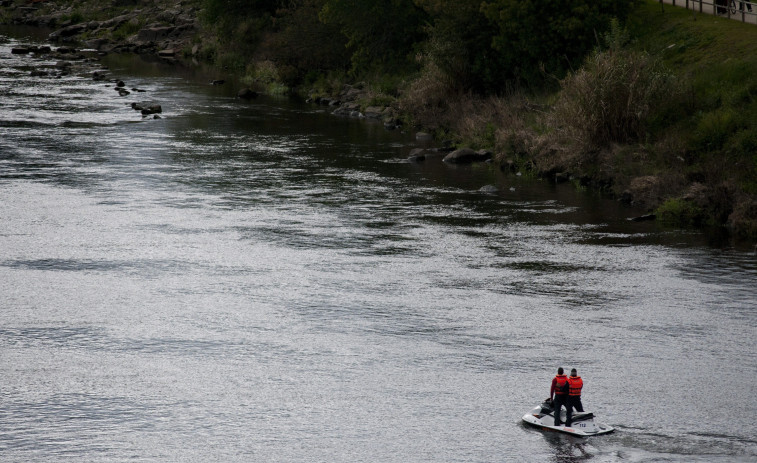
<point x="681" y="213"/>
<point x="716" y="60"/>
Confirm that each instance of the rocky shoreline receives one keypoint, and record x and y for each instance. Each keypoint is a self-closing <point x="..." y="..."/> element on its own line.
<point x="164" y="30"/>
<point x="167" y="30"/>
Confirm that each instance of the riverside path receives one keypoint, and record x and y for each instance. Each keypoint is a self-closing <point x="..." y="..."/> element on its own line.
<point x="733" y="9"/>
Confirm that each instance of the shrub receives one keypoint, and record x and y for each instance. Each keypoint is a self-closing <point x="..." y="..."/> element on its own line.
<point x="714" y="128"/>
<point x="680" y="212"/>
<point x="611" y="99"/>
<point x="427" y="98"/>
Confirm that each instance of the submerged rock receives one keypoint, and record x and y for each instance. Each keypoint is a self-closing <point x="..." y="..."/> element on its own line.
<point x="152" y="109"/>
<point x="247" y="94"/>
<point x="643" y="218"/>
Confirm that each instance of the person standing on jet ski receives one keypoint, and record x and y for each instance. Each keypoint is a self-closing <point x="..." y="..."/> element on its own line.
<point x="575" y="384"/>
<point x="558" y="394"/>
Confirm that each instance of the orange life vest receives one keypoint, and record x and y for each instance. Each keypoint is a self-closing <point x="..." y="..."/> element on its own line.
<point x="560" y="381"/>
<point x="575" y="383"/>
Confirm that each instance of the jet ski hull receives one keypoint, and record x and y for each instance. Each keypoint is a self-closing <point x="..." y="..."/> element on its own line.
<point x="583" y="425"/>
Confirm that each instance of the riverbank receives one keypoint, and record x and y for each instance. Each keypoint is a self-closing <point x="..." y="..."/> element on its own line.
<point x="662" y="117"/>
<point x="167" y="29"/>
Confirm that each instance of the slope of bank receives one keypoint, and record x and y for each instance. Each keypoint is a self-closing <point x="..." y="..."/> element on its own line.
<point x="678" y="134"/>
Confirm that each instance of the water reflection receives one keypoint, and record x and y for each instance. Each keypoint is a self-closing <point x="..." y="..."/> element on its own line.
<point x="266" y="274"/>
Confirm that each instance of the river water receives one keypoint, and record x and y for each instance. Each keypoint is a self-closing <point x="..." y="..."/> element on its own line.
<point x="263" y="281"/>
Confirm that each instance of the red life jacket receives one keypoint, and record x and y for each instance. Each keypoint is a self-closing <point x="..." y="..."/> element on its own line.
<point x="560" y="381"/>
<point x="575" y="383"/>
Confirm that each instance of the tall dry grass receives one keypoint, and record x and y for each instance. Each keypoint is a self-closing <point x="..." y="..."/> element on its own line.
<point x="611" y="99"/>
<point x="498" y="123"/>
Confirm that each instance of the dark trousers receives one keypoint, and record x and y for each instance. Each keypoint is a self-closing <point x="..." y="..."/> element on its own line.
<point x="573" y="402"/>
<point x="558" y="403"/>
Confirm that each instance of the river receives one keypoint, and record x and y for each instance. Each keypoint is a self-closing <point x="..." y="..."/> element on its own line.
<point x="264" y="281"/>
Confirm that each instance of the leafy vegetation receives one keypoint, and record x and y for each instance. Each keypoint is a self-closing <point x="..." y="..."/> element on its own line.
<point x="481" y="46"/>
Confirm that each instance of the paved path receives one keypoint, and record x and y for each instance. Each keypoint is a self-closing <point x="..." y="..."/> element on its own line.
<point x="708" y="7"/>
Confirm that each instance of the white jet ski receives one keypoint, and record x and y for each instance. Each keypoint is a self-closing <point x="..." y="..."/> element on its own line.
<point x="583" y="424"/>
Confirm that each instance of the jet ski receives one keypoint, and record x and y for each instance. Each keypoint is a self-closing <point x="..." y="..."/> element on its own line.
<point x="583" y="424"/>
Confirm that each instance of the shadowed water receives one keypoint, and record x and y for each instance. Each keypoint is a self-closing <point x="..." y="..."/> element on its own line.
<point x="262" y="281"/>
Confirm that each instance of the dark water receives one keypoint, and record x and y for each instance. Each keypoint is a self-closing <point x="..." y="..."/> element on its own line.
<point x="262" y="281"/>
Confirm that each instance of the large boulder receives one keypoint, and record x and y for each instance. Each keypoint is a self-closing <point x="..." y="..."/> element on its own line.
<point x="68" y="31"/>
<point x="467" y="156"/>
<point x="154" y="34"/>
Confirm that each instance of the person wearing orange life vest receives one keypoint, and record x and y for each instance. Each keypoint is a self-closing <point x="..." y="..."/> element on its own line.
<point x="575" y="384"/>
<point x="558" y="394"/>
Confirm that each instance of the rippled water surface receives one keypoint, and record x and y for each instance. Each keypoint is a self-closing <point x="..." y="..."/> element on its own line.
<point x="262" y="281"/>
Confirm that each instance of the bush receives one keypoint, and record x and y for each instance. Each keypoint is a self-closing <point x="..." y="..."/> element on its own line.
<point x="611" y="99"/>
<point x="680" y="212"/>
<point x="427" y="98"/>
<point x="714" y="128"/>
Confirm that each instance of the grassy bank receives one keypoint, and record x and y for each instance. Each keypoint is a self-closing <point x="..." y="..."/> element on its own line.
<point x="663" y="115"/>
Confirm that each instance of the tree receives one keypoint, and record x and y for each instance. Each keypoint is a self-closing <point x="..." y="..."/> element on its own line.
<point x="381" y="34"/>
<point x="552" y="36"/>
<point x="460" y="44"/>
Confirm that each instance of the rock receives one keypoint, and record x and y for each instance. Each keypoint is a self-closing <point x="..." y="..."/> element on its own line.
<point x="115" y="22"/>
<point x="44" y="49"/>
<point x="217" y="82"/>
<point x="39" y="73"/>
<point x="68" y="31"/>
<point x="466" y="156"/>
<point x="489" y="189"/>
<point x="20" y="51"/>
<point x="136" y="107"/>
<point x="423" y="136"/>
<point x="120" y="84"/>
<point x="374" y="112"/>
<point x="417" y="155"/>
<point x="643" y="218"/>
<point x="247" y="94"/>
<point x="153" y="109"/>
<point x="97" y="43"/>
<point x="167" y="53"/>
<point x="561" y="177"/>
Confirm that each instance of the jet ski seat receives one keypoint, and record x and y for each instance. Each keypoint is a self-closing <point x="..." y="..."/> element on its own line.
<point x="582" y="416"/>
<point x="547" y="408"/>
